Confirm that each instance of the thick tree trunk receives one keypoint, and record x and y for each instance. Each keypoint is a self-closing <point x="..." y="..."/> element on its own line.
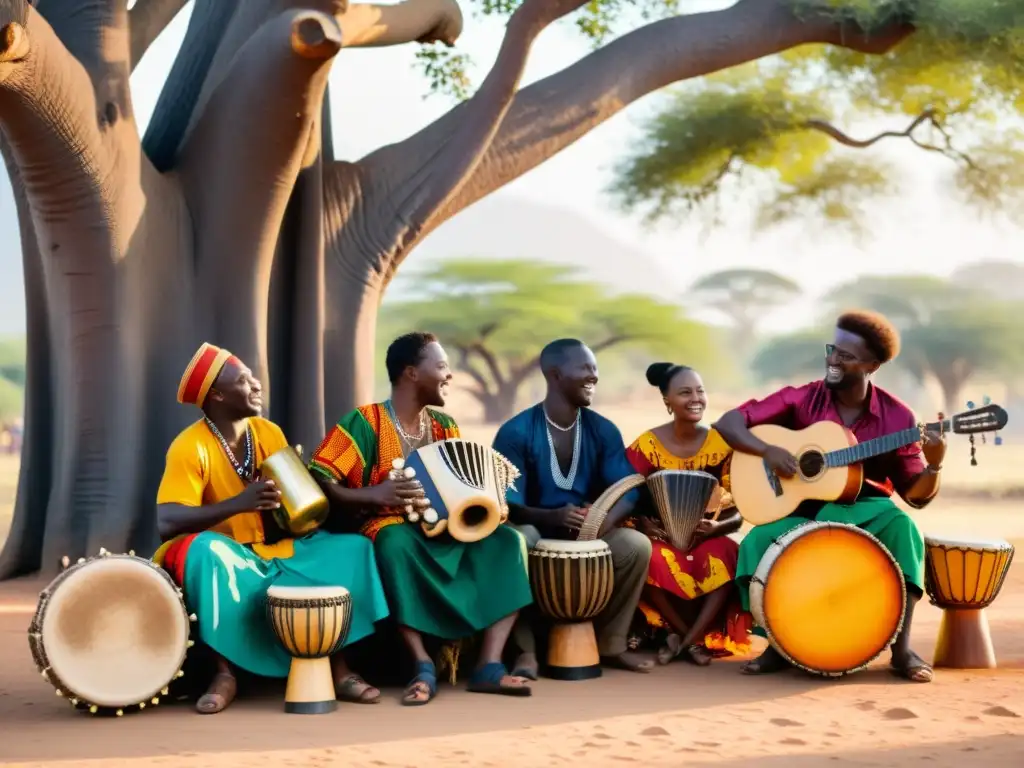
<point x="499" y="406"/>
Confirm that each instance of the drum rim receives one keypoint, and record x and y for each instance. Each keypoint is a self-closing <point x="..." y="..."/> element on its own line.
<point x="759" y="581"/>
<point x="968" y="544"/>
<point x="339" y="592"/>
<point x="41" y="658"/>
<point x="570" y="547"/>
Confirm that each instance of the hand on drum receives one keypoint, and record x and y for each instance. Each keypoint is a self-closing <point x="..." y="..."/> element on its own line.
<point x="780" y="461"/>
<point x="570" y="516"/>
<point x="651" y="529"/>
<point x="706" y="529"/>
<point x="399" y="493"/>
<point x="262" y="494"/>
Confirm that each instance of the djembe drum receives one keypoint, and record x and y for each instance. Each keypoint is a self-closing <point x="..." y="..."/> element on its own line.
<point x="681" y="499"/>
<point x="465" y="484"/>
<point x="110" y="632"/>
<point x="311" y="623"/>
<point x="829" y="596"/>
<point x="572" y="583"/>
<point x="964" y="577"/>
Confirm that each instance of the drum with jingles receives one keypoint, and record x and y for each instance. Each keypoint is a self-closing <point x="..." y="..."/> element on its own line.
<point x="572" y="583"/>
<point x="829" y="596"/>
<point x="110" y="633"/>
<point x="681" y="498"/>
<point x="464" y="482"/>
<point x="312" y="623"/>
<point x="304" y="506"/>
<point x="963" y="577"/>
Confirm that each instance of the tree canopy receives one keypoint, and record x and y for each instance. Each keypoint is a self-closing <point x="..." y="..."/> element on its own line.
<point x="495" y="316"/>
<point x="784" y="124"/>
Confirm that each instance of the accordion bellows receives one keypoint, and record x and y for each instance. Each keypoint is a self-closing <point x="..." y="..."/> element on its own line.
<point x="680" y="498"/>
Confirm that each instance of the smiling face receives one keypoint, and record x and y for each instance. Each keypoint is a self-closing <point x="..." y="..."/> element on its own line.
<point x="576" y="378"/>
<point x="685" y="396"/>
<point x="848" y="361"/>
<point x="432" y="376"/>
<point x="237" y="392"/>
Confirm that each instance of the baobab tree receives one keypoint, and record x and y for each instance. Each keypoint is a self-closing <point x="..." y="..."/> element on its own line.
<point x="230" y="221"/>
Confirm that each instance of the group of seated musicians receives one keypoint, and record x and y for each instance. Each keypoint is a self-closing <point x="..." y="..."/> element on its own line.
<point x="222" y="548"/>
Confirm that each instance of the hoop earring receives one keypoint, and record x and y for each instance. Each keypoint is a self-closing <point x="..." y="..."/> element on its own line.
<point x="668" y="408"/>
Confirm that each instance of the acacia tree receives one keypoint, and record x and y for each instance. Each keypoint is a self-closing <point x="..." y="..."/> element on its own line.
<point x="496" y="316"/>
<point x="231" y="221"/>
<point x="780" y="129"/>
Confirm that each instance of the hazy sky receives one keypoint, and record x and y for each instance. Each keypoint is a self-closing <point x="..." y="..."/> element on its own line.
<point x="378" y="98"/>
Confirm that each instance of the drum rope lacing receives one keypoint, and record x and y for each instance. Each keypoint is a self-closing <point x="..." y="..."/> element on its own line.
<point x="565" y="482"/>
<point x="244" y="469"/>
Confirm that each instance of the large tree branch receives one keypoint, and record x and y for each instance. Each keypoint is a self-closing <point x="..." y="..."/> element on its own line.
<point x="146" y="20"/>
<point x="555" y="112"/>
<point x="48" y="114"/>
<point x="465" y="365"/>
<point x="367" y="25"/>
<point x="491" y="361"/>
<point x="416" y="179"/>
<point x="256" y="130"/>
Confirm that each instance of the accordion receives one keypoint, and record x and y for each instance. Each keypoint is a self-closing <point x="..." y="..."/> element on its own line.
<point x="465" y="484"/>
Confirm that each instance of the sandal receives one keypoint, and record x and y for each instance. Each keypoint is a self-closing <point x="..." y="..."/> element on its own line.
<point x="222" y="691"/>
<point x="913" y="668"/>
<point x="425" y="681"/>
<point x="494" y="678"/>
<point x="355" y="690"/>
<point x="767" y="663"/>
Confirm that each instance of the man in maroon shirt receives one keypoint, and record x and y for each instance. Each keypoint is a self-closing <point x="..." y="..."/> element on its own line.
<point x="863" y="342"/>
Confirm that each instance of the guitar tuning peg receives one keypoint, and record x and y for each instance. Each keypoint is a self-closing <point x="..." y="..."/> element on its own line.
<point x="986" y="400"/>
<point x="970" y="404"/>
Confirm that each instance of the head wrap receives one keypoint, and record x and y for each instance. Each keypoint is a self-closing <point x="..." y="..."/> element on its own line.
<point x="200" y="374"/>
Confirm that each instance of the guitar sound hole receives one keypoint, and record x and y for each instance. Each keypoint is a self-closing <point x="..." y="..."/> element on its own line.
<point x="812" y="463"/>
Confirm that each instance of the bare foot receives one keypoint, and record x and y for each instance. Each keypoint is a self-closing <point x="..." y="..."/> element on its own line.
<point x="354" y="689"/>
<point x="768" y="662"/>
<point x="911" y="667"/>
<point x="629" y="661"/>
<point x="698" y="654"/>
<point x="673" y="645"/>
<point x="526" y="666"/>
<point x="219" y="695"/>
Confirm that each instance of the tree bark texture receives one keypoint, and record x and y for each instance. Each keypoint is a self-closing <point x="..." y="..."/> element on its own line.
<point x="230" y="221"/>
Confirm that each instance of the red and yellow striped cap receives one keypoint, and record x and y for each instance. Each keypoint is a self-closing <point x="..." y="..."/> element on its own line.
<point x="200" y="374"/>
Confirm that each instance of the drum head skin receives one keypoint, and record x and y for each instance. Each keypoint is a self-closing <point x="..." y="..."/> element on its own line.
<point x="833" y="598"/>
<point x="307" y="593"/>
<point x="560" y="547"/>
<point x="115" y="632"/>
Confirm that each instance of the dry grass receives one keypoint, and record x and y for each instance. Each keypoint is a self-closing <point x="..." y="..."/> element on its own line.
<point x="998" y="474"/>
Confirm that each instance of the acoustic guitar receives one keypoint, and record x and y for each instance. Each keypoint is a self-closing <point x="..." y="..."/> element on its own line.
<point x="829" y="462"/>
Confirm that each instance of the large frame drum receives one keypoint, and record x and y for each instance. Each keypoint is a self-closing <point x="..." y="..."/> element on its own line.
<point x="111" y="632"/>
<point x="829" y="596"/>
<point x="312" y="623"/>
<point x="964" y="577"/>
<point x="572" y="583"/>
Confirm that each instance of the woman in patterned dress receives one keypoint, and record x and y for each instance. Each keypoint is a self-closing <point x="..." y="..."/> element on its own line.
<point x="690" y="595"/>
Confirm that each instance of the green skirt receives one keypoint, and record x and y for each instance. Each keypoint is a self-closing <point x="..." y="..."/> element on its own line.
<point x="878" y="516"/>
<point x="450" y="590"/>
<point x="226" y="587"/>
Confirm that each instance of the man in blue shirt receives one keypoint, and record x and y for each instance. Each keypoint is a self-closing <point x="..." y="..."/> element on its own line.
<point x="568" y="455"/>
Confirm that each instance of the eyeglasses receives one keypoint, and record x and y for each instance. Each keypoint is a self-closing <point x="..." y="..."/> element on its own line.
<point x="844" y="357"/>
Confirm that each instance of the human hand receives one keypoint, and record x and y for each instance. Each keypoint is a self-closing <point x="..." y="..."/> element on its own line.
<point x="570" y="516"/>
<point x="259" y="495"/>
<point x="707" y="528"/>
<point x="780" y="461"/>
<point x="651" y="529"/>
<point x="400" y="493"/>
<point x="934" y="448"/>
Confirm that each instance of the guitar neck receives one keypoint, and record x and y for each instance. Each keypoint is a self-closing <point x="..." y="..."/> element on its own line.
<point x="879" y="445"/>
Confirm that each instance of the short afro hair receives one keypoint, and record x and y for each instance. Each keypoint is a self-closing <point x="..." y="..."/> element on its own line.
<point x="880" y="335"/>
<point x="555" y="354"/>
<point x="404" y="351"/>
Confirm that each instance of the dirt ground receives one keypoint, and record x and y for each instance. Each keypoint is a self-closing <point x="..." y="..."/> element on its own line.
<point x="678" y="715"/>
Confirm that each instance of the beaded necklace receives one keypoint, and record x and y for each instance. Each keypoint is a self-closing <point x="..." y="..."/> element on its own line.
<point x="243" y="469"/>
<point x="564" y="482"/>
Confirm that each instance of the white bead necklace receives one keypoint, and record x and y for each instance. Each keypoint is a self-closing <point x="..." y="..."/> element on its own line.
<point x="565" y="482"/>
